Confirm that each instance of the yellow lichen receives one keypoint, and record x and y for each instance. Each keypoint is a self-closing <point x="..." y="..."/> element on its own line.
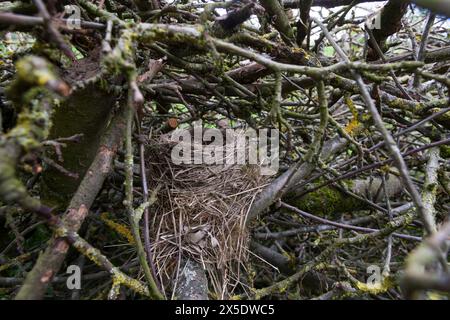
<point x="121" y="229"/>
<point x="35" y="70"/>
<point x="354" y="123"/>
<point x="131" y="283"/>
<point x="351" y="126"/>
<point x="375" y="288"/>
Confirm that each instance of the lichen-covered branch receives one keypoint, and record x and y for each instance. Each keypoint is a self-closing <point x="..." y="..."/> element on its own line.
<point x="33" y="91"/>
<point x="50" y="261"/>
<point x="279" y="18"/>
<point x="431" y="252"/>
<point x="283" y="285"/>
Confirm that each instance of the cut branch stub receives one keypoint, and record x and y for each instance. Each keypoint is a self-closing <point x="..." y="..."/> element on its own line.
<point x="192" y="283"/>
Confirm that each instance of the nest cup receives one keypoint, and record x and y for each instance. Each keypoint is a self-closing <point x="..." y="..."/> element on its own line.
<point x="200" y="214"/>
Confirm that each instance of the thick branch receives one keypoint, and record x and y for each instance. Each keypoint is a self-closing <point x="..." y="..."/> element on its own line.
<point x="390" y="20"/>
<point x="279" y="18"/>
<point x="293" y="4"/>
<point x="51" y="260"/>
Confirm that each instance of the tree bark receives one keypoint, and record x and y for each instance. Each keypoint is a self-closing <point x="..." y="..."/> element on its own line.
<point x="51" y="260"/>
<point x="192" y="282"/>
<point x="85" y="112"/>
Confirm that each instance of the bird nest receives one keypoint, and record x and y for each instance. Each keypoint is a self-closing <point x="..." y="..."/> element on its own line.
<point x="200" y="214"/>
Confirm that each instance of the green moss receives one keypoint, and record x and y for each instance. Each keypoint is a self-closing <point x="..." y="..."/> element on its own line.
<point x="167" y="34"/>
<point x="35" y="71"/>
<point x="30" y="129"/>
<point x="402" y="104"/>
<point x="327" y="201"/>
<point x="445" y="151"/>
<point x="443" y="119"/>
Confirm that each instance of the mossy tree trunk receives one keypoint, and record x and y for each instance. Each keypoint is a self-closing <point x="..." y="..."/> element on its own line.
<point x="87" y="112"/>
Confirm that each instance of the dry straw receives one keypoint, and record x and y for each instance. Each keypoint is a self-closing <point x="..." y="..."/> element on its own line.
<point x="200" y="214"/>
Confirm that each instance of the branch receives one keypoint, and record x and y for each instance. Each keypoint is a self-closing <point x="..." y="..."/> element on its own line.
<point x="293" y="4"/>
<point x="134" y="100"/>
<point x="192" y="283"/>
<point x="430" y="187"/>
<point x="281" y="185"/>
<point x="50" y="261"/>
<point x="281" y="286"/>
<point x="54" y="35"/>
<point x="279" y="19"/>
<point x="303" y="21"/>
<point x="389" y="141"/>
<point x="428" y="253"/>
<point x="227" y="24"/>
<point x="390" y="20"/>
<point x="23" y="20"/>
<point x="34" y="91"/>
